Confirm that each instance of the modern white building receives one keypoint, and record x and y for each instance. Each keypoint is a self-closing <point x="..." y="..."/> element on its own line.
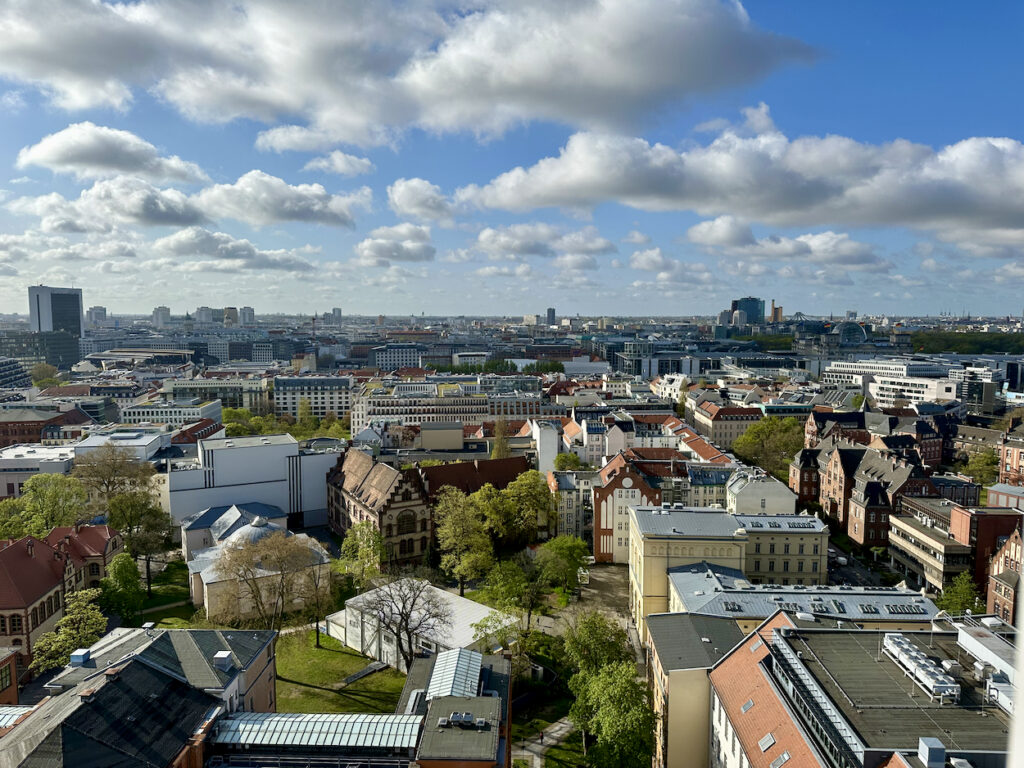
<point x="270" y="469"/>
<point x="356" y="626"/>
<point x="55" y="309"/>
<point x="18" y="463"/>
<point x="177" y="413"/>
<point x="390" y="357"/>
<point x="142" y="443"/>
<point x="753" y="492"/>
<point x="251" y="392"/>
<point x="325" y="394"/>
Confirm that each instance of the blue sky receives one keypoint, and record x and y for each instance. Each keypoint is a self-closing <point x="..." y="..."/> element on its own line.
<point x="615" y="157"/>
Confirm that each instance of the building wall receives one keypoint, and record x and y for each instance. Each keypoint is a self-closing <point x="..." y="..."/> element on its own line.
<point x="786" y="558"/>
<point x="611" y="514"/>
<point x="1002" y="598"/>
<point x="9" y="679"/>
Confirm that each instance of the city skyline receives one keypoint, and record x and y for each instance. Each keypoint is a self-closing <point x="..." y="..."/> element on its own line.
<point x="829" y="158"/>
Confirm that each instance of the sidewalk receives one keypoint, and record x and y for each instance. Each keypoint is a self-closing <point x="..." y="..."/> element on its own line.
<point x="533" y="750"/>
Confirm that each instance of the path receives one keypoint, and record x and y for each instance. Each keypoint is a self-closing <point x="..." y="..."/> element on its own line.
<point x="532" y="750"/>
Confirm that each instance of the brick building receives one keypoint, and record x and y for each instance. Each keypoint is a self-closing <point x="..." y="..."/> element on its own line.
<point x="1004" y="578"/>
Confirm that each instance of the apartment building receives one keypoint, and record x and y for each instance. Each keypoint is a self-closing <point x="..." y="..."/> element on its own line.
<point x="390" y="357"/>
<point x="1005" y="578"/>
<point x="325" y="394"/>
<point x="574" y="501"/>
<point x="417" y="403"/>
<point x="1011" y="457"/>
<point x="753" y="492"/>
<point x="722" y="425"/>
<point x="252" y="393"/>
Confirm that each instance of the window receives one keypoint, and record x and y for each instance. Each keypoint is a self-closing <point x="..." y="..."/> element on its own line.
<point x="771" y="565"/>
<point x="94" y="569"/>
<point x="771" y="549"/>
<point x="5" y="677"/>
<point x="406" y="523"/>
<point x="785" y="565"/>
<point x="800" y="549"/>
<point x="800" y="565"/>
<point x="757" y="548"/>
<point x="423" y="544"/>
<point x="785" y="549"/>
<point x="814" y="550"/>
<point x="16" y="623"/>
<point x="814" y="567"/>
<point x="3" y="625"/>
<point x="757" y="565"/>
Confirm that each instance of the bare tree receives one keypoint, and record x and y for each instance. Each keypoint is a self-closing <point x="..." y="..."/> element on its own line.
<point x="109" y="470"/>
<point x="315" y="588"/>
<point x="408" y="608"/>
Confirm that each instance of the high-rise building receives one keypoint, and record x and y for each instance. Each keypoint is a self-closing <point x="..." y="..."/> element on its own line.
<point x="96" y="316"/>
<point x="551" y="315"/>
<point x="752" y="307"/>
<point x="336" y="317"/>
<point x="230" y="316"/>
<point x="161" y="317"/>
<point x="204" y="315"/>
<point x="55" y="309"/>
<point x="247" y="316"/>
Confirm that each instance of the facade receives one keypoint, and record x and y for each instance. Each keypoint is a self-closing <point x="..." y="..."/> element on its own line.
<point x="722" y="425"/>
<point x="20" y="462"/>
<point x="1011" y="457"/>
<point x="786" y="549"/>
<point x="30" y="425"/>
<point x="390" y="357"/>
<point x="325" y="394"/>
<point x="55" y="309"/>
<point x="177" y="413"/>
<point x="270" y="469"/>
<point x="1004" y="578"/>
<point x="250" y="393"/>
<point x="417" y="403"/>
<point x="753" y="492"/>
<point x="574" y="502"/>
<point x="56" y="348"/>
<point x="13" y="374"/>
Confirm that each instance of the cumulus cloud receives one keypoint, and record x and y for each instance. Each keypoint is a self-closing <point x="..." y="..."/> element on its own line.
<point x="403" y="242"/>
<point x="259" y="199"/>
<point x="754" y="172"/>
<point x="220" y="252"/>
<point x="520" y="271"/>
<point x="725" y="230"/>
<point x="94" y="151"/>
<point x="421" y="200"/>
<point x="541" y="239"/>
<point x="635" y="237"/>
<point x="340" y="163"/>
<point x="366" y="71"/>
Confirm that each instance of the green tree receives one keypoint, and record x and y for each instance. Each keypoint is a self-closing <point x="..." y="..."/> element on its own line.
<point x="857" y="401"/>
<point x="496" y="511"/>
<point x="533" y="505"/>
<point x="500" y="449"/>
<point x="122" y="589"/>
<point x="614" y="706"/>
<point x="593" y="641"/>
<point x="561" y="558"/>
<point x="109" y="470"/>
<point x="771" y="443"/>
<point x="466" y="550"/>
<point x="306" y="420"/>
<point x="361" y="554"/>
<point x="12" y="518"/>
<point x="144" y="524"/>
<point x="42" y="373"/>
<point x="51" y="500"/>
<point x="983" y="466"/>
<point x="565" y="462"/>
<point x="517" y="586"/>
<point x="960" y="596"/>
<point x="81" y="625"/>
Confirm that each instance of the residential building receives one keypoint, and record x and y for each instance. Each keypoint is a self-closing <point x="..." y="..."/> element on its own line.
<point x="13" y="374"/>
<point x="55" y="309"/>
<point x="161" y="316"/>
<point x="1004" y="580"/>
<point x="20" y="462"/>
<point x="722" y="425"/>
<point x="786" y="549"/>
<point x="392" y="356"/>
<point x="219" y="594"/>
<point x="239" y="668"/>
<point x="357" y="627"/>
<point x="574" y="501"/>
<point x="175" y="413"/>
<point x="8" y="682"/>
<point x="30" y="425"/>
<point x="799" y="695"/>
<point x="325" y="394"/>
<point x="1011" y="457"/>
<point x="251" y="393"/>
<point x="271" y="469"/>
<point x="417" y="403"/>
<point x="753" y="492"/>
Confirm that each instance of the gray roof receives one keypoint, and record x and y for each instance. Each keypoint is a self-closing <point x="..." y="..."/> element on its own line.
<point x="249" y="510"/>
<point x="254" y="441"/>
<point x="457" y="742"/>
<point x="794" y="524"/>
<point x="712" y="590"/>
<point x="691" y="641"/>
<point x="690" y="521"/>
<point x="287" y="729"/>
<point x="1015" y="490"/>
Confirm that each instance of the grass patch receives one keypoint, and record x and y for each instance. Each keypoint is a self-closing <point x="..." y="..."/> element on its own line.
<point x="179" y="617"/>
<point x="309" y="678"/>
<point x="842" y="542"/>
<point x="568" y="753"/>
<point x="169" y="586"/>
<point x="530" y="720"/>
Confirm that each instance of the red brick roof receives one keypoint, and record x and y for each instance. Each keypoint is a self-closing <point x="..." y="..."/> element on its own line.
<point x="29" y="569"/>
<point x="470" y="477"/>
<point x="88" y="541"/>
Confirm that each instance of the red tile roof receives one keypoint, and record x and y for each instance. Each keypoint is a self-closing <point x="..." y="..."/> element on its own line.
<point x="29" y="569"/>
<point x="470" y="477"/>
<point x="87" y="541"/>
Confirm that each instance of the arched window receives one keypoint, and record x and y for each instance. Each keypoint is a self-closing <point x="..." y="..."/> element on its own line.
<point x="423" y="525"/>
<point x="406" y="523"/>
<point x="423" y="544"/>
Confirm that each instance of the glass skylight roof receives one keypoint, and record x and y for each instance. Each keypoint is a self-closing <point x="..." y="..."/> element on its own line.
<point x="456" y="673"/>
<point x="331" y="730"/>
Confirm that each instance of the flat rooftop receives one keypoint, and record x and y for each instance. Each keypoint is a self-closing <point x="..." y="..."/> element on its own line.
<point x="32" y="452"/>
<point x="887" y="708"/>
<point x="249" y="441"/>
<point x="690" y="521"/>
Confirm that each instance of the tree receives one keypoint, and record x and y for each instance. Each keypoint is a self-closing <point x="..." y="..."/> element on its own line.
<point x="306" y="420"/>
<point x="516" y="585"/>
<point x="533" y="505"/>
<point x="144" y="524"/>
<point x="857" y="402"/>
<point x="315" y="591"/>
<point x="566" y="462"/>
<point x="507" y="629"/>
<point x="500" y="450"/>
<point x="466" y="550"/>
<point x="81" y="625"/>
<point x="771" y="443"/>
<point x="408" y="608"/>
<point x="960" y="596"/>
<point x="361" y="554"/>
<point x="561" y="558"/>
<point x="122" y="589"/>
<point x="616" y="707"/>
<point x="47" y="501"/>
<point x="12" y="518"/>
<point x="983" y="466"/>
<point x="593" y="641"/>
<point x="1010" y="420"/>
<point x="42" y="373"/>
<point x="109" y="470"/>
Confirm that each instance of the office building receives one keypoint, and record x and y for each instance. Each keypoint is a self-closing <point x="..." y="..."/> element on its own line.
<point x="55" y="309"/>
<point x="20" y="462"/>
<point x="176" y="413"/>
<point x="251" y="393"/>
<point x="57" y="348"/>
<point x="13" y="374"/>
<point x="325" y="394"/>
<point x="752" y="308"/>
<point x="551" y="315"/>
<point x="96" y="316"/>
<point x="161" y="317"/>
<point x="230" y="317"/>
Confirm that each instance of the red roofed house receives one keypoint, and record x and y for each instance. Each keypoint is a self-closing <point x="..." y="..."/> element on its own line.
<point x="35" y="575"/>
<point x="723" y="424"/>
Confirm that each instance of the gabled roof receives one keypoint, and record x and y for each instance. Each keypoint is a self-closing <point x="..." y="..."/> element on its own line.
<point x="29" y="569"/>
<point x="83" y="540"/>
<point x="250" y="510"/>
<point x="691" y="641"/>
<point x="470" y="477"/>
<point x="369" y="481"/>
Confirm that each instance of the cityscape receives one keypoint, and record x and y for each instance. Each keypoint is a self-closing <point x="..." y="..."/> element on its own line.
<point x="585" y="384"/>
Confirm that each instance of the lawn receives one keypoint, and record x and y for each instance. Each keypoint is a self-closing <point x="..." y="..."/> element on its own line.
<point x="179" y="617"/>
<point x="568" y="753"/>
<point x="309" y="678"/>
<point x="169" y="586"/>
<point x="530" y="720"/>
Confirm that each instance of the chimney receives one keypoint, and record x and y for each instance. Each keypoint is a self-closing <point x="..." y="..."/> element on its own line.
<point x="222" y="660"/>
<point x="29" y="547"/>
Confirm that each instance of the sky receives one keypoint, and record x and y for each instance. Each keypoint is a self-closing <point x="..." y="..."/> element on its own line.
<point x="603" y="157"/>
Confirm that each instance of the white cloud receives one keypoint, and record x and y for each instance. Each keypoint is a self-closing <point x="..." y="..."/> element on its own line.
<point x="575" y="261"/>
<point x="403" y="242"/>
<point x="520" y="271"/>
<point x="636" y="237"/>
<point x="226" y="253"/>
<point x="725" y="230"/>
<point x="419" y="199"/>
<point x="359" y="73"/>
<point x="651" y="260"/>
<point x="540" y="239"/>
<point x="340" y="163"/>
<point x="756" y="173"/>
<point x="92" y="151"/>
<point x="259" y="199"/>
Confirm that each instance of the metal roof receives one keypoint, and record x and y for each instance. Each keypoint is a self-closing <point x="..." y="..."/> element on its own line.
<point x="11" y="713"/>
<point x="321" y="730"/>
<point x="456" y="673"/>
